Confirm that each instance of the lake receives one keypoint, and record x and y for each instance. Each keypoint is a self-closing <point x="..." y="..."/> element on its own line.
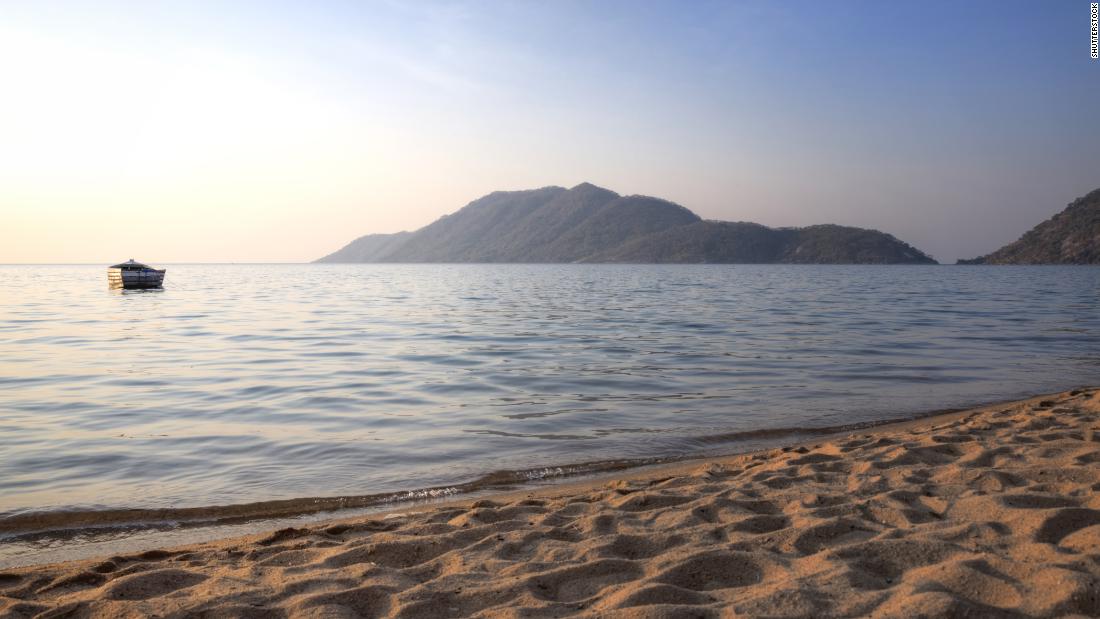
<point x="244" y="383"/>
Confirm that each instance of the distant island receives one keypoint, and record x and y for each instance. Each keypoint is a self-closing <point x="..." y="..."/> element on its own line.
<point x="591" y="224"/>
<point x="1070" y="237"/>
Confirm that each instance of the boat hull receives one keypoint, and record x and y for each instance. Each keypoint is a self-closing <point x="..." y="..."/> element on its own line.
<point x="135" y="280"/>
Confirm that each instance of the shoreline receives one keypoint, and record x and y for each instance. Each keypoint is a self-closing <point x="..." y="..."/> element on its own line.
<point x="263" y="515"/>
<point x="989" y="510"/>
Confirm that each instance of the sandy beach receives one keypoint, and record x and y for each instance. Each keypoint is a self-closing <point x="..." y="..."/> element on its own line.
<point x="992" y="512"/>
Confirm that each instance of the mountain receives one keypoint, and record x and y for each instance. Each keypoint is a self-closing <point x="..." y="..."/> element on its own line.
<point x="743" y="242"/>
<point x="591" y="224"/>
<point x="369" y="248"/>
<point x="1070" y="237"/>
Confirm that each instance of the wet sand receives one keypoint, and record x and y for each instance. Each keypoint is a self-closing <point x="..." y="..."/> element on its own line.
<point x="992" y="512"/>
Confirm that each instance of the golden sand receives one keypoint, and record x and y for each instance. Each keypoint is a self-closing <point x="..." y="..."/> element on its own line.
<point x="993" y="512"/>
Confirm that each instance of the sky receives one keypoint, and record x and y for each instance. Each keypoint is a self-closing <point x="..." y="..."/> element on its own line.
<point x="265" y="131"/>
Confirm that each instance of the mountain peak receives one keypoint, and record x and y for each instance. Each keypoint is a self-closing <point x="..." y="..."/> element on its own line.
<point x="590" y="187"/>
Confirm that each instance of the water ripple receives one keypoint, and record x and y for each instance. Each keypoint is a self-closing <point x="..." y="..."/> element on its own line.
<point x="246" y="383"/>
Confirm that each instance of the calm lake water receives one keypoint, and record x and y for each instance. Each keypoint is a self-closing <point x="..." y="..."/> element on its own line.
<point x="244" y="383"/>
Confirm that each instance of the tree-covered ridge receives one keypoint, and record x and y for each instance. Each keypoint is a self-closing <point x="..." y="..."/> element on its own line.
<point x="1070" y="237"/>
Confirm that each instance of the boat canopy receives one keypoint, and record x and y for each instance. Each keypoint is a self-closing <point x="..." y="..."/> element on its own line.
<point x="130" y="265"/>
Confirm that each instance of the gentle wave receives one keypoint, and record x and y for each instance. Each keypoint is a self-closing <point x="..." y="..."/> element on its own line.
<point x="73" y="523"/>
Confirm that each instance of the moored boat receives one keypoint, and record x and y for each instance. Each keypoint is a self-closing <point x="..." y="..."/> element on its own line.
<point x="134" y="275"/>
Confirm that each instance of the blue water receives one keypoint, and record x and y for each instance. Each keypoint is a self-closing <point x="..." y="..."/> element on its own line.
<point x="242" y="383"/>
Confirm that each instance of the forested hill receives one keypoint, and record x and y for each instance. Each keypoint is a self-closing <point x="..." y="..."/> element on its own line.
<point x="1070" y="237"/>
<point x="591" y="224"/>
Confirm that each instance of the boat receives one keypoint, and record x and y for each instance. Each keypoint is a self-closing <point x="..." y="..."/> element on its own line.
<point x="134" y="275"/>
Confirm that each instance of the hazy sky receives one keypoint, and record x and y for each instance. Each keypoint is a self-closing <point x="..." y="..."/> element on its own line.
<point x="242" y="131"/>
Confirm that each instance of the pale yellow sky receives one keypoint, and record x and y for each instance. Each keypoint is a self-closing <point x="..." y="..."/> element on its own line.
<point x="193" y="154"/>
<point x="279" y="132"/>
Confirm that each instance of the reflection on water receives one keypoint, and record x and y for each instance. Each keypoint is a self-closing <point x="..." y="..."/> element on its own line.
<point x="120" y="289"/>
<point x="241" y="383"/>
